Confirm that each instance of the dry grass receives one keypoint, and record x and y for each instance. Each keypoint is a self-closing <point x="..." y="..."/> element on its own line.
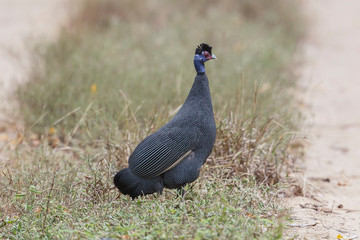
<point x="56" y="195"/>
<point x="117" y="75"/>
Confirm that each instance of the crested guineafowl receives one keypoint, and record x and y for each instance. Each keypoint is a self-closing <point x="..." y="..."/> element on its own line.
<point x="173" y="155"/>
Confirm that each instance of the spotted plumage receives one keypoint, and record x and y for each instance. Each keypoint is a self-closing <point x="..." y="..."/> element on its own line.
<point x="172" y="156"/>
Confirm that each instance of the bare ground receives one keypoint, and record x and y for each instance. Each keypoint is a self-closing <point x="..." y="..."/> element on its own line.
<point x="331" y="81"/>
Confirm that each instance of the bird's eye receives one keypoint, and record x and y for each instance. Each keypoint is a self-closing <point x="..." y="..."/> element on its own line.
<point x="207" y="55"/>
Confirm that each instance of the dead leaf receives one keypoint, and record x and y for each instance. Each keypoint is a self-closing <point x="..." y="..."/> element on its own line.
<point x="125" y="236"/>
<point x="343" y="183"/>
<point x="250" y="215"/>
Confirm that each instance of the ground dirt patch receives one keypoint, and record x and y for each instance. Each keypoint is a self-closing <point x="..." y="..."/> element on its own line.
<point x="330" y="181"/>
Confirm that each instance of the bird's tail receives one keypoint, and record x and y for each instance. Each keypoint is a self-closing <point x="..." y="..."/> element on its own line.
<point x="125" y="181"/>
<point x="134" y="186"/>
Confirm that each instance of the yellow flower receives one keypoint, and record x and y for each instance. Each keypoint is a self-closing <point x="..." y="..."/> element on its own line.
<point x="93" y="88"/>
<point x="339" y="236"/>
<point x="52" y="130"/>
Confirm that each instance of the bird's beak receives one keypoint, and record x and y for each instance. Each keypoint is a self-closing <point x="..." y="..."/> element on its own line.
<point x="213" y="57"/>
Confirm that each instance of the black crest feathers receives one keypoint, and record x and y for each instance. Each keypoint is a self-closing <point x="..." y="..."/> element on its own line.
<point x="203" y="47"/>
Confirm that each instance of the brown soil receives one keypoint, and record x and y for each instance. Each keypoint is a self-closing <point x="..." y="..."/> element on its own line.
<point x="330" y="77"/>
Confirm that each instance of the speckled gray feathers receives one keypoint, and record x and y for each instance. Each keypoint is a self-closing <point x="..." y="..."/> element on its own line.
<point x="189" y="136"/>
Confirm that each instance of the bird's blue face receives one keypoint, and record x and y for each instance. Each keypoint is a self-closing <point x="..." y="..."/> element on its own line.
<point x="200" y="59"/>
<point x="205" y="56"/>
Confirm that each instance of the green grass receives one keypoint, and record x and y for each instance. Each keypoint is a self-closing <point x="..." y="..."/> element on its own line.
<point x="51" y="196"/>
<point x="140" y="58"/>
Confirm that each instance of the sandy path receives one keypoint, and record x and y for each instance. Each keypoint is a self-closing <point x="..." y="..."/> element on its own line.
<point x="21" y="21"/>
<point x="331" y="75"/>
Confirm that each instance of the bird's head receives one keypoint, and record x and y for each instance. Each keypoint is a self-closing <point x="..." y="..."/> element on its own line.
<point x="202" y="54"/>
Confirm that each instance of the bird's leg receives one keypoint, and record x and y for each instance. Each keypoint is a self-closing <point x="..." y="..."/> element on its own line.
<point x="181" y="192"/>
<point x="158" y="193"/>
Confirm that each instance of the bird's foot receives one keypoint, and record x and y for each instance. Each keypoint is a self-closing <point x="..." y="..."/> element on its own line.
<point x="181" y="192"/>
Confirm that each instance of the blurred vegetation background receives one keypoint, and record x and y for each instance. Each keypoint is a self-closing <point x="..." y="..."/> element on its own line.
<point x="118" y="71"/>
<point x="139" y="55"/>
<point x="123" y="66"/>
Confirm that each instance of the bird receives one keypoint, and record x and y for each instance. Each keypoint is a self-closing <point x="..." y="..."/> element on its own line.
<point x="172" y="156"/>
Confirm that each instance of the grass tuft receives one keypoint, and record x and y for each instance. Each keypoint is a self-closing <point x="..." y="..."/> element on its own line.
<point x="78" y="200"/>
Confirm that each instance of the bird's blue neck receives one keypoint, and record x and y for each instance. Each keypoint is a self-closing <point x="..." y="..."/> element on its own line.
<point x="199" y="64"/>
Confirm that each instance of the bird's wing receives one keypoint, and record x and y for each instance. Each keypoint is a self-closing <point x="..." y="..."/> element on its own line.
<point x="161" y="151"/>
